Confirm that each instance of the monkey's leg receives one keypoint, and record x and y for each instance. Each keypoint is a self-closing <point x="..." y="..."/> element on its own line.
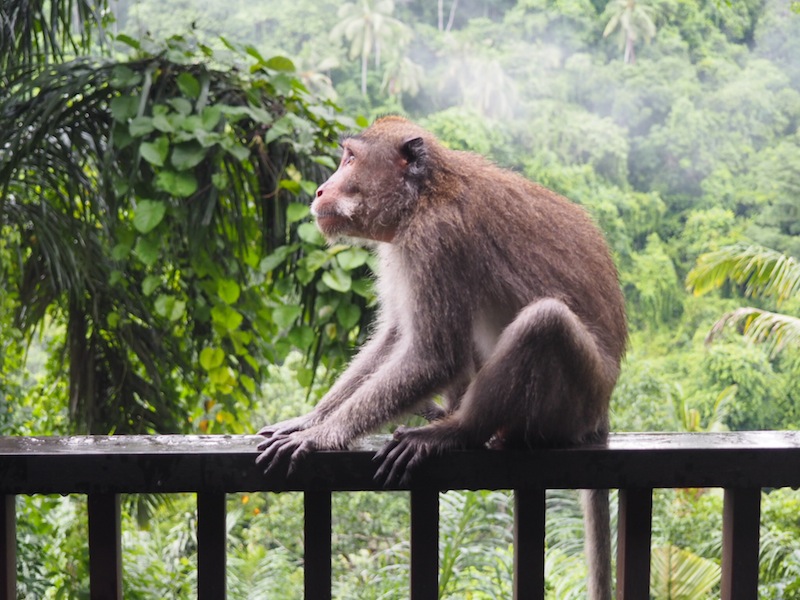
<point x="545" y="382"/>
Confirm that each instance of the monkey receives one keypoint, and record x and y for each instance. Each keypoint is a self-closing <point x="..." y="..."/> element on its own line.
<point x="494" y="293"/>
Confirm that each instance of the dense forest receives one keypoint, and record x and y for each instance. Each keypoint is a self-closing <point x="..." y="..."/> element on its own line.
<point x="161" y="272"/>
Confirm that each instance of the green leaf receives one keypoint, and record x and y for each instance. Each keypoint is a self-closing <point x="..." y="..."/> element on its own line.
<point x="155" y="152"/>
<point x="120" y="251"/>
<point x="309" y="233"/>
<point x="187" y="155"/>
<point x="296" y="211"/>
<point x="150" y="283"/>
<point x="226" y="317"/>
<point x="188" y="85"/>
<point x="363" y="287"/>
<point x="140" y="126"/>
<point x="162" y="123"/>
<point x="305" y="376"/>
<point x="337" y="280"/>
<point x="170" y="307"/>
<point x="124" y="77"/>
<point x="247" y="383"/>
<point x="284" y="316"/>
<point x="280" y="63"/>
<point x="149" y="213"/>
<point x="124" y="108"/>
<point x="315" y="260"/>
<point x="148" y="250"/>
<point x="181" y="185"/>
<point x="301" y="337"/>
<point x="274" y="260"/>
<point x="242" y="153"/>
<point x="352" y="258"/>
<point x="181" y="105"/>
<point x="348" y="315"/>
<point x="325" y="161"/>
<point x="228" y="290"/>
<point x="210" y="117"/>
<point x="211" y="358"/>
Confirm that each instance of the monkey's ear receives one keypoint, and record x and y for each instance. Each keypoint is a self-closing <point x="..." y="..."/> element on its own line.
<point x="415" y="152"/>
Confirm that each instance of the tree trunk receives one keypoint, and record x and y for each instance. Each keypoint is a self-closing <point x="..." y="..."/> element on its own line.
<point x="364" y="59"/>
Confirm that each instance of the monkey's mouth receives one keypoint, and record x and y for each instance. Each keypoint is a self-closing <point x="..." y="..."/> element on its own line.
<point x="330" y="220"/>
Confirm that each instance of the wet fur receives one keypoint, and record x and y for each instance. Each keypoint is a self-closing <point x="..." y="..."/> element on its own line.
<point x="494" y="292"/>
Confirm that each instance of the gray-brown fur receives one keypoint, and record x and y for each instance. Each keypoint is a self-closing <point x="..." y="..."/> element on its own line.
<point x="494" y="292"/>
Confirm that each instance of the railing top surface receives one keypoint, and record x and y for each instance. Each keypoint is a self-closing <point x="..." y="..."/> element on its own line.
<point x="85" y="464"/>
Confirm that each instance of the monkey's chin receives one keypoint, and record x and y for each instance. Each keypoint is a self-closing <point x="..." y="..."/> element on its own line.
<point x="333" y="225"/>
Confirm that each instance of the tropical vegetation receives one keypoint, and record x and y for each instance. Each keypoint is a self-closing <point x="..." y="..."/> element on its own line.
<point x="160" y="272"/>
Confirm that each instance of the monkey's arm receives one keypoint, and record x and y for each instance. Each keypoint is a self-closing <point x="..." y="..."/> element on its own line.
<point x="395" y="388"/>
<point x="365" y="363"/>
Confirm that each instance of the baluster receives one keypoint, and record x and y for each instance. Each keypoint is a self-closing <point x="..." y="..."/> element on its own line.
<point x="211" y="545"/>
<point x="634" y="527"/>
<point x="105" y="547"/>
<point x="317" y="546"/>
<point x="8" y="549"/>
<point x="740" y="538"/>
<point x="529" y="527"/>
<point x="424" y="544"/>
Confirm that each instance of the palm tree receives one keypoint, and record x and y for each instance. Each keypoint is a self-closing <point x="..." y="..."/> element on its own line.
<point x="635" y="21"/>
<point x="368" y="26"/>
<point x="34" y="32"/>
<point x="764" y="273"/>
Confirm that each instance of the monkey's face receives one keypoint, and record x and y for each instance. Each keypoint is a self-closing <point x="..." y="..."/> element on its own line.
<point x="370" y="195"/>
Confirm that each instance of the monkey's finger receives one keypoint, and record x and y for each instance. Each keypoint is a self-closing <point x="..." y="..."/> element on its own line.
<point x="271" y="450"/>
<point x="399" y="473"/>
<point x="272" y="441"/>
<point x="394" y="464"/>
<point x="298" y="456"/>
<point x="280" y="459"/>
<point x="380" y="455"/>
<point x="267" y="430"/>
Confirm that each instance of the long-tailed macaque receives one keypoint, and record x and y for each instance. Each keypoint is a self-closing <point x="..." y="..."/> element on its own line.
<point x="495" y="294"/>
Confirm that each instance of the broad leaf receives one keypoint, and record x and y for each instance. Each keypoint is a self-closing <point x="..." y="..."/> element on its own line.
<point x="149" y="213"/>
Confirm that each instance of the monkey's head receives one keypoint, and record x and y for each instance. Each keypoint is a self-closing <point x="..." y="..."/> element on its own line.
<point x="376" y="187"/>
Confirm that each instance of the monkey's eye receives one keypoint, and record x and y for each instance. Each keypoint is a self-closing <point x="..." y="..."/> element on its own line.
<point x="348" y="158"/>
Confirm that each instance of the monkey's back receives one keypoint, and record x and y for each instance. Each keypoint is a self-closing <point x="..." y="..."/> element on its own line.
<point x="526" y="242"/>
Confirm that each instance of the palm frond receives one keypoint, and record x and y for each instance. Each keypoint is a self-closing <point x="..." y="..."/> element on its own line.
<point x="775" y="329"/>
<point x="678" y="574"/>
<point x="34" y="33"/>
<point x="762" y="272"/>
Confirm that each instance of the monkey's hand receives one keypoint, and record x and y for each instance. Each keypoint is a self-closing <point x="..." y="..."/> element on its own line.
<point x="409" y="447"/>
<point x="281" y="453"/>
<point x="288" y="426"/>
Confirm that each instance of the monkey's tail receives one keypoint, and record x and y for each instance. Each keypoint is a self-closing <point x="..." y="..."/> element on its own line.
<point x="597" y="542"/>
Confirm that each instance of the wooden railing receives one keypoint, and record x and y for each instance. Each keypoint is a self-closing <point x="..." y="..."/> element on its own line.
<point x="211" y="466"/>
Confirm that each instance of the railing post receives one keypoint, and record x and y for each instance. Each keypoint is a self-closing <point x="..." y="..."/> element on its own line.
<point x="634" y="527"/>
<point x="105" y="547"/>
<point x="740" y="537"/>
<point x="317" y="546"/>
<point x="529" y="529"/>
<point x="8" y="549"/>
<point x="211" y="545"/>
<point x="424" y="544"/>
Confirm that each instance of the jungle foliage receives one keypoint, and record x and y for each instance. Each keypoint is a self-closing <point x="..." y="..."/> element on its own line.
<point x="159" y="270"/>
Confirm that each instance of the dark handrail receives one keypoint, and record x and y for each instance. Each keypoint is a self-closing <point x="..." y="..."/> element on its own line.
<point x="104" y="467"/>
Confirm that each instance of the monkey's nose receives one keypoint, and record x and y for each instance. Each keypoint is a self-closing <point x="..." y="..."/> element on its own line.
<point x="319" y="191"/>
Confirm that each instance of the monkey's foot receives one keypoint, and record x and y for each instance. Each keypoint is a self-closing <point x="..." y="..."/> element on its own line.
<point x="409" y="448"/>
<point x="283" y="452"/>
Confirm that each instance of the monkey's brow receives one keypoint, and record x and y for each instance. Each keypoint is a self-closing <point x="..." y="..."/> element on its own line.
<point x="347" y="135"/>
